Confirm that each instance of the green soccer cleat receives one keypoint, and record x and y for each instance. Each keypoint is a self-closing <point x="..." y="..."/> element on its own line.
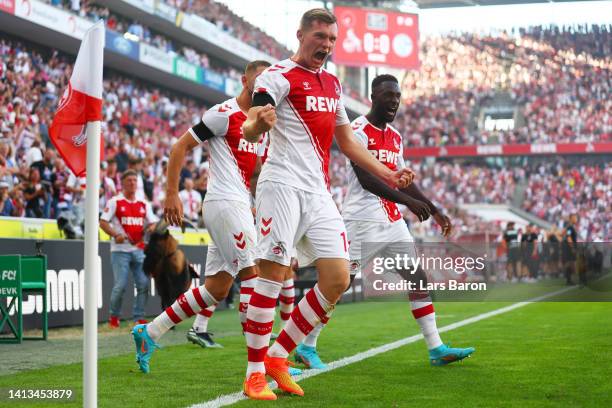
<point x="145" y="346"/>
<point x="445" y="354"/>
<point x="309" y="357"/>
<point x="203" y="340"/>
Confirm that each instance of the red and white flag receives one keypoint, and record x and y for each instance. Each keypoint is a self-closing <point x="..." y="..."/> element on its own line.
<point x="81" y="102"/>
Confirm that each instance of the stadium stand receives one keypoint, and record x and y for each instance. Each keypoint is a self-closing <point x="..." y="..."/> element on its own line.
<point x="556" y="82"/>
<point x="459" y="73"/>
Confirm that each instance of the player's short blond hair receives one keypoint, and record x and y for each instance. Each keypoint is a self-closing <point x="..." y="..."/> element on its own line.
<point x="253" y="65"/>
<point x="316" y="14"/>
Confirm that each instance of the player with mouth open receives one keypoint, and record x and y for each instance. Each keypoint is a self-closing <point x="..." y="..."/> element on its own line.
<point x="300" y="104"/>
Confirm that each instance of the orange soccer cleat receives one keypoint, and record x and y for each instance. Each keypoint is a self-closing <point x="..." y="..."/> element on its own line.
<point x="278" y="369"/>
<point x="256" y="387"/>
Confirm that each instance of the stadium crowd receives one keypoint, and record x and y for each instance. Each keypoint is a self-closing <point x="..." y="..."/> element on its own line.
<point x="557" y="79"/>
<point x="138" y="120"/>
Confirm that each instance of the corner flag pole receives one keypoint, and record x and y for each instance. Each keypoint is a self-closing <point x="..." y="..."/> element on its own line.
<point x="90" y="312"/>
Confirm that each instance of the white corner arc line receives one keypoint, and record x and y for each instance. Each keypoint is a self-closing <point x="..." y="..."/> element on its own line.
<point x="232" y="398"/>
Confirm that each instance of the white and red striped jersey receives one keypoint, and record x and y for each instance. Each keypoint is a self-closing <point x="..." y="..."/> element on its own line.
<point x="128" y="217"/>
<point x="386" y="146"/>
<point x="309" y="107"/>
<point x="232" y="158"/>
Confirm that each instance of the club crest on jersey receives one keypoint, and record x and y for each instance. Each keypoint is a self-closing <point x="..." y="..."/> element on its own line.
<point x="306" y="86"/>
<point x="278" y="249"/>
<point x="321" y="104"/>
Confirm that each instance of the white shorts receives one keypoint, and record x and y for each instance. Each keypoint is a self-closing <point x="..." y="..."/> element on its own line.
<point x="232" y="229"/>
<point x="288" y="217"/>
<point x="376" y="239"/>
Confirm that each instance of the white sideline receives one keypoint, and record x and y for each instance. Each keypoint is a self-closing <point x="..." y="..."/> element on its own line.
<point x="229" y="399"/>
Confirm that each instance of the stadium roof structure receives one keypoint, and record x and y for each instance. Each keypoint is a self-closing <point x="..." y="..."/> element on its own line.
<point x="427" y="4"/>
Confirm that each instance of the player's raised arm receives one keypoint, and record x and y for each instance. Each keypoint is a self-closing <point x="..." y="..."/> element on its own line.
<point x="362" y="158"/>
<point x="173" y="208"/>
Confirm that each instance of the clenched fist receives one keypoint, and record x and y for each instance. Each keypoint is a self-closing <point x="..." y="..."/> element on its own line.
<point x="403" y="178"/>
<point x="260" y="120"/>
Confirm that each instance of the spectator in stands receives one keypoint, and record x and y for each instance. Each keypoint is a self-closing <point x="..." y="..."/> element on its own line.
<point x="125" y="219"/>
<point x="35" y="194"/>
<point x="6" y="203"/>
<point x="192" y="201"/>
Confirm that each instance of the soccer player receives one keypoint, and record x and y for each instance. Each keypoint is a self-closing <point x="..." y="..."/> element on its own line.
<point x="371" y="216"/>
<point x="300" y="104"/>
<point x="226" y="211"/>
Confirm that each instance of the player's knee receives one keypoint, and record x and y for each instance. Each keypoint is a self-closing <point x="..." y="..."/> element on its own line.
<point x="351" y="279"/>
<point x="341" y="284"/>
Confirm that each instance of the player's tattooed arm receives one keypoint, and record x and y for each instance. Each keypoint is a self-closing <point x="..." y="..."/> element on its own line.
<point x="381" y="189"/>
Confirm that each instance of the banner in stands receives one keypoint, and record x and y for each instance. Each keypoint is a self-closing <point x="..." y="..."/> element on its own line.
<point x="121" y="45"/>
<point x="206" y="30"/>
<point x="187" y="70"/>
<point x="509" y="150"/>
<point x="8" y="6"/>
<point x="65" y="282"/>
<point x="156" y="58"/>
<point x="52" y="17"/>
<point x="165" y="11"/>
<point x="213" y="80"/>
<point x="376" y="37"/>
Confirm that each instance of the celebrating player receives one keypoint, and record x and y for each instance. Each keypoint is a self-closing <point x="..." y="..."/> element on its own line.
<point x="227" y="213"/>
<point x="371" y="216"/>
<point x="300" y="104"/>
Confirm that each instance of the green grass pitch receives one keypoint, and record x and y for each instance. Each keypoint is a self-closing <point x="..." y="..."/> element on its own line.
<point x="547" y="354"/>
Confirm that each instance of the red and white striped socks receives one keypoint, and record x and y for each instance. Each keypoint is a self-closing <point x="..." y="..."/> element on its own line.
<point x="185" y="306"/>
<point x="247" y="286"/>
<point x="425" y="316"/>
<point x="200" y="324"/>
<point x="260" y="318"/>
<point x="286" y="300"/>
<point x="311" y="339"/>
<point x="312" y="309"/>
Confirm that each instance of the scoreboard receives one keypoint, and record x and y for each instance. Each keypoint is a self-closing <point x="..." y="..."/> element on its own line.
<point x="376" y="37"/>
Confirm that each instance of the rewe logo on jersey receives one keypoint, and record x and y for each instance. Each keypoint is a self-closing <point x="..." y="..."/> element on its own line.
<point x="132" y="221"/>
<point x="321" y="104"/>
<point x="244" y="146"/>
<point x="385" y="156"/>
